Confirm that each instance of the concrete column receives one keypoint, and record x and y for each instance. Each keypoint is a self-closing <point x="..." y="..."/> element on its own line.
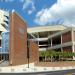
<point x="48" y="40"/>
<point x="48" y="43"/>
<point x="61" y="39"/>
<point x="51" y="42"/>
<point x="72" y="37"/>
<point x="61" y="49"/>
<point x="38" y="38"/>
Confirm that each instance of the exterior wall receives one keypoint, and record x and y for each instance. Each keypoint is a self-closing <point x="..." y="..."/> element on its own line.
<point x="18" y="40"/>
<point x="34" y="52"/>
<point x="3" y="18"/>
<point x="66" y="37"/>
<point x="67" y="49"/>
<point x="74" y="35"/>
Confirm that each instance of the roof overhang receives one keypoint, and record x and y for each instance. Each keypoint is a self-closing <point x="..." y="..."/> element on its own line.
<point x="46" y="28"/>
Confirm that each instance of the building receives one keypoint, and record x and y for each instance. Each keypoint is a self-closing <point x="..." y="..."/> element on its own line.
<point x="3" y="24"/>
<point x="16" y="47"/>
<point x="4" y="18"/>
<point x="1" y="30"/>
<point x="43" y="32"/>
<point x="63" y="41"/>
<point x="58" y="38"/>
<point x="19" y="44"/>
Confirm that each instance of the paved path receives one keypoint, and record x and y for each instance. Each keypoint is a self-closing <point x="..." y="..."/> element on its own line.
<point x="32" y="69"/>
<point x="65" y="72"/>
<point x="4" y="63"/>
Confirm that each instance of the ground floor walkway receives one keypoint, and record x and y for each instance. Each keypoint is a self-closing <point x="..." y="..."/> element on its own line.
<point x="40" y="67"/>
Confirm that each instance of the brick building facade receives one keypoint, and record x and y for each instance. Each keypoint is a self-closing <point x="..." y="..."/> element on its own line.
<point x="18" y="42"/>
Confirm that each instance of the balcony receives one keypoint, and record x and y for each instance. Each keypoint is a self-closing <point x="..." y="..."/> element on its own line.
<point x="41" y="39"/>
<point x="60" y="45"/>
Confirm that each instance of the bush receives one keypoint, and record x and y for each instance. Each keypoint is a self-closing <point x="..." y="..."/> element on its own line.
<point x="53" y="54"/>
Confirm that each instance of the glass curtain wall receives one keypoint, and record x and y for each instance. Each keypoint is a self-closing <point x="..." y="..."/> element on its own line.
<point x="4" y="52"/>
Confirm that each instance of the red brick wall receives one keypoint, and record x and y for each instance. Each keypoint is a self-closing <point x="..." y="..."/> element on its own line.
<point x="66" y="37"/>
<point x="18" y="40"/>
<point x="34" y="52"/>
<point x="67" y="49"/>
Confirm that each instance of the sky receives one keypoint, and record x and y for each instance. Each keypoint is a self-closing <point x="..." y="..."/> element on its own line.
<point x="43" y="12"/>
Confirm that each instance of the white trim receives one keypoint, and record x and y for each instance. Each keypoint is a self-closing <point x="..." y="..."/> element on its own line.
<point x="46" y="28"/>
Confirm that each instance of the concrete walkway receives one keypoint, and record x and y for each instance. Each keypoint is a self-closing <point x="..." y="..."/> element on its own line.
<point x="31" y="69"/>
<point x="4" y="63"/>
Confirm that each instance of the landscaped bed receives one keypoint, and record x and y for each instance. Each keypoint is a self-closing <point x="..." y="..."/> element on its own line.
<point x="52" y="58"/>
<point x="55" y="64"/>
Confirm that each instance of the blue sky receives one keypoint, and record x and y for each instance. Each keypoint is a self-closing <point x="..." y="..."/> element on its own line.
<point x="43" y="12"/>
<point x="27" y="8"/>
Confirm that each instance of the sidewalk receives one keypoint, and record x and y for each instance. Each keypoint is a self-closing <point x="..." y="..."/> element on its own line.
<point x="31" y="69"/>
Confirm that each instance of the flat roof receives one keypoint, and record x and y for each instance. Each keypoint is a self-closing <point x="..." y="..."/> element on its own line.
<point x="46" y="28"/>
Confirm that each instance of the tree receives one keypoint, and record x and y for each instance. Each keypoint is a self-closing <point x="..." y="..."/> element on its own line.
<point x="53" y="55"/>
<point x="42" y="54"/>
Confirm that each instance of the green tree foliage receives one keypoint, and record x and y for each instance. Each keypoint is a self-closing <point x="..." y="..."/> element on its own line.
<point x="53" y="54"/>
<point x="42" y="53"/>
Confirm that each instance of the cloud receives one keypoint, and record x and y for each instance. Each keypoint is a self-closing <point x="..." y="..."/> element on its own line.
<point x="29" y="5"/>
<point x="30" y="11"/>
<point x="62" y="12"/>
